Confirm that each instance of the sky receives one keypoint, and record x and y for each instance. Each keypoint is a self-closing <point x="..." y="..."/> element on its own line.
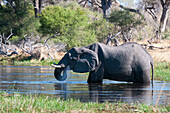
<point x="129" y="3"/>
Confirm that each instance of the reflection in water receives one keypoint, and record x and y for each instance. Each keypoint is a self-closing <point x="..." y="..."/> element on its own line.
<point x="121" y="92"/>
<point x="108" y="92"/>
<point x="40" y="80"/>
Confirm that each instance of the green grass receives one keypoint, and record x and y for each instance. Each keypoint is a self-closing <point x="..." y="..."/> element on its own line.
<point x="34" y="63"/>
<point x="27" y="103"/>
<point x="162" y="71"/>
<point x="27" y="62"/>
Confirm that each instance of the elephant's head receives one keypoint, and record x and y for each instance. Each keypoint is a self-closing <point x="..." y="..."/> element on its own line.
<point x="80" y="60"/>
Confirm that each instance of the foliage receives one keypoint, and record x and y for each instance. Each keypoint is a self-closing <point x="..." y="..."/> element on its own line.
<point x="14" y="39"/>
<point x="28" y="103"/>
<point x="72" y="22"/>
<point x="19" y="18"/>
<point x="77" y="26"/>
<point x="125" y="19"/>
<point x="102" y="28"/>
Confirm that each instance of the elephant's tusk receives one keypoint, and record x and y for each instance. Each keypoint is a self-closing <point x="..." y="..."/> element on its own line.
<point x="56" y="66"/>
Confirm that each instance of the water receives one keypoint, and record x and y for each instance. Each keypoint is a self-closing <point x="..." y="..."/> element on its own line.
<point x="40" y="80"/>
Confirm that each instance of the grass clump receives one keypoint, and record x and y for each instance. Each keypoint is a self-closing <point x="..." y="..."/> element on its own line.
<point x="29" y="103"/>
<point x="32" y="62"/>
<point x="162" y="71"/>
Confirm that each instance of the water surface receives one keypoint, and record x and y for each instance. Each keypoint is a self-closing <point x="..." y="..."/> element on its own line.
<point x="40" y="80"/>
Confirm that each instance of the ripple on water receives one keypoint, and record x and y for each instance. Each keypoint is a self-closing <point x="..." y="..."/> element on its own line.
<point x="40" y="80"/>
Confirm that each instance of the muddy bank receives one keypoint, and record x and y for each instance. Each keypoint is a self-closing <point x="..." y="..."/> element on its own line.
<point x="39" y="53"/>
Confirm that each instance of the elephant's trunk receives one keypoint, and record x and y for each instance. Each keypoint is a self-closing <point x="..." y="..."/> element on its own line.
<point x="60" y="73"/>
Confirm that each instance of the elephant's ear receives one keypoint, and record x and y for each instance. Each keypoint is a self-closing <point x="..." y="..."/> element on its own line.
<point x="87" y="61"/>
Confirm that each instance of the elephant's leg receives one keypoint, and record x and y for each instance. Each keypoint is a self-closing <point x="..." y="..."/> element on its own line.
<point x="96" y="76"/>
<point x="146" y="76"/>
<point x="142" y="76"/>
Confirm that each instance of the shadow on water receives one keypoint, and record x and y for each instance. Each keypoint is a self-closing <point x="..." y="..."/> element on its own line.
<point x="40" y="80"/>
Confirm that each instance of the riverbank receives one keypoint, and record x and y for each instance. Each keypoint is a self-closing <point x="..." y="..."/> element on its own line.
<point x="34" y="104"/>
<point x="32" y="62"/>
<point x="161" y="69"/>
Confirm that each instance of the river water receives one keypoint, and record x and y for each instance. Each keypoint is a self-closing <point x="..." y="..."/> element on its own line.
<point x="40" y="80"/>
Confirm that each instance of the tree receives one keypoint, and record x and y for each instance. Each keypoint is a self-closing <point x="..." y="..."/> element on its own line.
<point x="37" y="7"/>
<point x="154" y="8"/>
<point x="71" y="22"/>
<point x="106" y="6"/>
<point x="125" y="21"/>
<point x="18" y="16"/>
<point x="158" y="9"/>
<point x="163" y="21"/>
<point x="127" y="8"/>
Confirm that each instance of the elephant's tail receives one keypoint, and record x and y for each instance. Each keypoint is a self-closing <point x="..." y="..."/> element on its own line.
<point x="152" y="66"/>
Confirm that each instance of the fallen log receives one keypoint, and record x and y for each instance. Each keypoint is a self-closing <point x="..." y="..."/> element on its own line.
<point x="152" y="46"/>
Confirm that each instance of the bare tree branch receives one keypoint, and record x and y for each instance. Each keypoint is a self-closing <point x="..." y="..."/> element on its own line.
<point x="85" y="3"/>
<point x="5" y="43"/>
<point x="81" y="1"/>
<point x="162" y="3"/>
<point x="49" y="38"/>
<point x="111" y="37"/>
<point x="25" y="50"/>
<point x="151" y="12"/>
<point x="96" y="3"/>
<point x="129" y="9"/>
<point x="9" y="35"/>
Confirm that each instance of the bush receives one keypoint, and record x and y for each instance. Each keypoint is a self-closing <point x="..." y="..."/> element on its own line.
<point x="21" y="20"/>
<point x="125" y="19"/>
<point x="77" y="26"/>
<point x="72" y="24"/>
<point x="14" y="39"/>
<point x="102" y="28"/>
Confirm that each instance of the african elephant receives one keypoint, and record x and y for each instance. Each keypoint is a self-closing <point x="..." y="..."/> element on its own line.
<point x="128" y="62"/>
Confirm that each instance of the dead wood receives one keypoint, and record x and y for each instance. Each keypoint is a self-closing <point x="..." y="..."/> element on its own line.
<point x="153" y="47"/>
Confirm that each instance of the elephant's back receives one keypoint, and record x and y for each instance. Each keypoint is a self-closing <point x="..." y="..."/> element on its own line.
<point x="140" y="55"/>
<point x="126" y="57"/>
<point x="118" y="59"/>
<point x="137" y="48"/>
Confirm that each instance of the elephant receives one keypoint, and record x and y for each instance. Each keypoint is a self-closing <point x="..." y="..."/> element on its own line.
<point x="129" y="62"/>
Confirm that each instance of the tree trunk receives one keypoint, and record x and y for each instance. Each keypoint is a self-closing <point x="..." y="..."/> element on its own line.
<point x="106" y="5"/>
<point x="40" y="6"/>
<point x="36" y="7"/>
<point x="163" y="20"/>
<point x="164" y="16"/>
